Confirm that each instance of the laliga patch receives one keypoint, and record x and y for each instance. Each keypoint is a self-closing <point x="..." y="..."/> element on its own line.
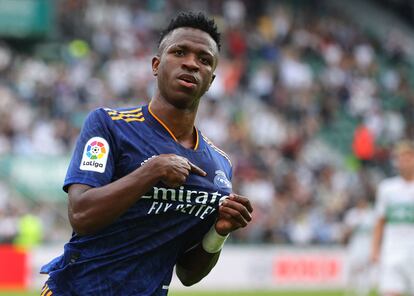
<point x="221" y="180"/>
<point x="95" y="155"/>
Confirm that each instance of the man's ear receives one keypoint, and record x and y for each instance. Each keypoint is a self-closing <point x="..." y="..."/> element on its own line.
<point x="155" y="64"/>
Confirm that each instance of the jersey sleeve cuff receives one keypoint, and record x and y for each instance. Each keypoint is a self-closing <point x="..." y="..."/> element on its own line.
<point x="89" y="182"/>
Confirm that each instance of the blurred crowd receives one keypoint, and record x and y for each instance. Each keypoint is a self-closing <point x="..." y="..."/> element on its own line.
<point x="287" y="73"/>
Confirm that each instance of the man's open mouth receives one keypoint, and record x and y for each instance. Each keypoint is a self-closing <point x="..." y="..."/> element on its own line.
<point x="188" y="79"/>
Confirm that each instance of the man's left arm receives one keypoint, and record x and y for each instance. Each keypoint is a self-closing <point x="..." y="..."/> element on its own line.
<point x="196" y="263"/>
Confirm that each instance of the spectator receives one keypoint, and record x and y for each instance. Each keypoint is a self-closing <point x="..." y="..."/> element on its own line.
<point x="287" y="77"/>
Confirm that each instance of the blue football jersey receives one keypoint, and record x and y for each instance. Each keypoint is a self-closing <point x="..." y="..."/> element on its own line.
<point x="136" y="254"/>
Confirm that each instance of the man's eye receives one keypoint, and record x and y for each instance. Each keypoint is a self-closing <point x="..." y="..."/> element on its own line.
<point x="179" y="52"/>
<point x="205" y="61"/>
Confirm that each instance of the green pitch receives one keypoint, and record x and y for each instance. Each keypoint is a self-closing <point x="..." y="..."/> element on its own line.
<point x="263" y="293"/>
<point x="258" y="293"/>
<point x="252" y="293"/>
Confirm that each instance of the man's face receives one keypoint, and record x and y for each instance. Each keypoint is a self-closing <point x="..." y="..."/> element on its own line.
<point x="405" y="161"/>
<point x="185" y="66"/>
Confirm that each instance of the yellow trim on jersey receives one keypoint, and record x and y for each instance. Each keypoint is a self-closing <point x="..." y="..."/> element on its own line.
<point x="168" y="130"/>
<point x="132" y="111"/>
<point x="127" y="116"/>
<point x="196" y="145"/>
<point x="162" y="123"/>
<point x="208" y="141"/>
<point x="46" y="291"/>
<point x="115" y="112"/>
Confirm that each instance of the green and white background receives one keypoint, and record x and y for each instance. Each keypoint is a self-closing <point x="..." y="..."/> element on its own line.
<point x="47" y="43"/>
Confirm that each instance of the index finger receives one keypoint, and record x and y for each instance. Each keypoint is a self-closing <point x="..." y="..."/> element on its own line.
<point x="243" y="200"/>
<point x="196" y="170"/>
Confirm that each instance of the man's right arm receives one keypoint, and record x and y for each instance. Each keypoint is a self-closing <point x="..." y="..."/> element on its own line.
<point x="91" y="209"/>
<point x="380" y="210"/>
<point x="377" y="239"/>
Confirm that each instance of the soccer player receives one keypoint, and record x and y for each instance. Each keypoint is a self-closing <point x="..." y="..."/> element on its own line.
<point x="147" y="190"/>
<point x="393" y="241"/>
<point x="359" y="224"/>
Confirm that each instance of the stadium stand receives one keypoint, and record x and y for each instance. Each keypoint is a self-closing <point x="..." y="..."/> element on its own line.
<point x="294" y="81"/>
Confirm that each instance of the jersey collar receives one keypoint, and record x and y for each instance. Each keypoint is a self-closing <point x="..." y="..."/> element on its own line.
<point x="161" y="126"/>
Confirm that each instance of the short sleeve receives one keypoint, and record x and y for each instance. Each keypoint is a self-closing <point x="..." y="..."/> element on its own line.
<point x="92" y="162"/>
<point x="380" y="203"/>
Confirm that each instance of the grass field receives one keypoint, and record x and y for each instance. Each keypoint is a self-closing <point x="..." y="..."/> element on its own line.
<point x="217" y="293"/>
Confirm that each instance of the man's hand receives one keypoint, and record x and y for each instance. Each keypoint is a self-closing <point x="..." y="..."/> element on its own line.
<point x="234" y="213"/>
<point x="174" y="169"/>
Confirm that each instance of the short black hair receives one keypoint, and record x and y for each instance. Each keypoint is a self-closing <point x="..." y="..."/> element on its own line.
<point x="193" y="20"/>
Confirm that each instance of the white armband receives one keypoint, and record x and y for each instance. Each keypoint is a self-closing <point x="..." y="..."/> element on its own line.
<point x="212" y="241"/>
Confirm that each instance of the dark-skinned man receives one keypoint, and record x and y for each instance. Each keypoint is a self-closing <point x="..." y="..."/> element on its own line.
<point x="147" y="190"/>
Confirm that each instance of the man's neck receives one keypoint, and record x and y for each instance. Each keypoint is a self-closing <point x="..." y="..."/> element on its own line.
<point x="180" y="122"/>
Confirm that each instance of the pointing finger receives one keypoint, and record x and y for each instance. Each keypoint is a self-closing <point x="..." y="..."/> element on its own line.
<point x="196" y="170"/>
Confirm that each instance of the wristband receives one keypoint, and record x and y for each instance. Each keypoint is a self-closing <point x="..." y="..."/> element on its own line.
<point x="212" y="241"/>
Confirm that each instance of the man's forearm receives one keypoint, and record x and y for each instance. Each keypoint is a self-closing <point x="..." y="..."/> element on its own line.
<point x="91" y="209"/>
<point x="377" y="239"/>
<point x="195" y="264"/>
<point x="234" y="213"/>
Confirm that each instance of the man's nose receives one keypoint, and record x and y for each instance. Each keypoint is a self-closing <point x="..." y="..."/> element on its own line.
<point x="190" y="63"/>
